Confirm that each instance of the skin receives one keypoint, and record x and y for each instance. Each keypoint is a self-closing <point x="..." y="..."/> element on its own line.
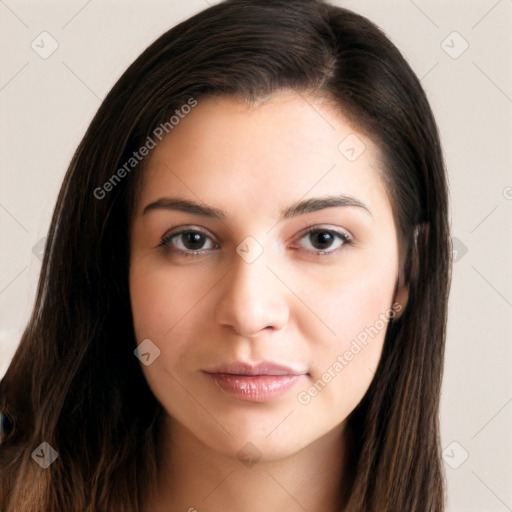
<point x="291" y="305"/>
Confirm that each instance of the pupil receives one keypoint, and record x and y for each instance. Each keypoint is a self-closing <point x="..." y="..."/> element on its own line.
<point x="322" y="240"/>
<point x="194" y="240"/>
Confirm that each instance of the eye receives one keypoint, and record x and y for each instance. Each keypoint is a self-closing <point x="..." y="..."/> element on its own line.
<point x="191" y="241"/>
<point x="324" y="241"/>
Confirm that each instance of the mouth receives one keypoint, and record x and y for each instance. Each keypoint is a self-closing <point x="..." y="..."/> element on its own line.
<point x="264" y="368"/>
<point x="260" y="382"/>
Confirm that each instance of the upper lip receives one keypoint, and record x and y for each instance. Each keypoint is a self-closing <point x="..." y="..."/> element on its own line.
<point x="248" y="369"/>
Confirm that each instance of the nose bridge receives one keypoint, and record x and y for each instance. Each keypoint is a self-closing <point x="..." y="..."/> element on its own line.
<point x="251" y="299"/>
<point x="251" y="280"/>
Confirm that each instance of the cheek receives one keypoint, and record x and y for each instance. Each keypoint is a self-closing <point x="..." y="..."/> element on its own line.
<point x="355" y="311"/>
<point x="162" y="302"/>
<point x="161" y="308"/>
<point x="169" y="308"/>
<point x="346" y="303"/>
<point x="146" y="301"/>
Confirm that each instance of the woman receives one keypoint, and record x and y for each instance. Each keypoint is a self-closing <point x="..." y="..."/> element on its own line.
<point x="242" y="303"/>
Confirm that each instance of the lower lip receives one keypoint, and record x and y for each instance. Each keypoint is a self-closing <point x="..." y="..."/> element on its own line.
<point x="255" y="388"/>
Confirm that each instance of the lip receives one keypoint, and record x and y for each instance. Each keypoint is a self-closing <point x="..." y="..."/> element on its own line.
<point x="260" y="382"/>
<point x="263" y="368"/>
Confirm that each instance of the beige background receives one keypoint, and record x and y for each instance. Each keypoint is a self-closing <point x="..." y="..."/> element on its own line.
<point x="46" y="105"/>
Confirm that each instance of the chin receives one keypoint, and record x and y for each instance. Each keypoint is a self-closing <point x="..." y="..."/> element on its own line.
<point x="258" y="450"/>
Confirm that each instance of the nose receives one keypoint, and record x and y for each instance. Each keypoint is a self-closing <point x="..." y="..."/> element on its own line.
<point x="252" y="301"/>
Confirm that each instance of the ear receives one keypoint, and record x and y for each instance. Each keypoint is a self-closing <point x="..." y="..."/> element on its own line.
<point x="400" y="300"/>
<point x="408" y="272"/>
<point x="401" y="295"/>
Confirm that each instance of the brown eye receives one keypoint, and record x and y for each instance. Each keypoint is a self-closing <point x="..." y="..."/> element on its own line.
<point x="188" y="240"/>
<point x="321" y="239"/>
<point x="324" y="240"/>
<point x="193" y="240"/>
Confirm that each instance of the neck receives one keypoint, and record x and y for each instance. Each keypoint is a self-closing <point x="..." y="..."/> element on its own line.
<point x="194" y="477"/>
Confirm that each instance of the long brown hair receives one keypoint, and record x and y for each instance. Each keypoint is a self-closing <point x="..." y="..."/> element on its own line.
<point x="74" y="381"/>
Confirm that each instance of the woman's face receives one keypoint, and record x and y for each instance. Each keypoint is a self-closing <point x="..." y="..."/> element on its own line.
<point x="264" y="260"/>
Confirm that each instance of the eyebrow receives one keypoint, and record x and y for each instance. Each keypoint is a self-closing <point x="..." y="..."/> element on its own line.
<point x="319" y="203"/>
<point x="294" y="210"/>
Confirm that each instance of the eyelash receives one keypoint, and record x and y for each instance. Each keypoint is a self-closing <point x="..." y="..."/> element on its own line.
<point x="345" y="238"/>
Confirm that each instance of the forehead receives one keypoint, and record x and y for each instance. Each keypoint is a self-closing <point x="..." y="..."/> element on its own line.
<point x="225" y="151"/>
